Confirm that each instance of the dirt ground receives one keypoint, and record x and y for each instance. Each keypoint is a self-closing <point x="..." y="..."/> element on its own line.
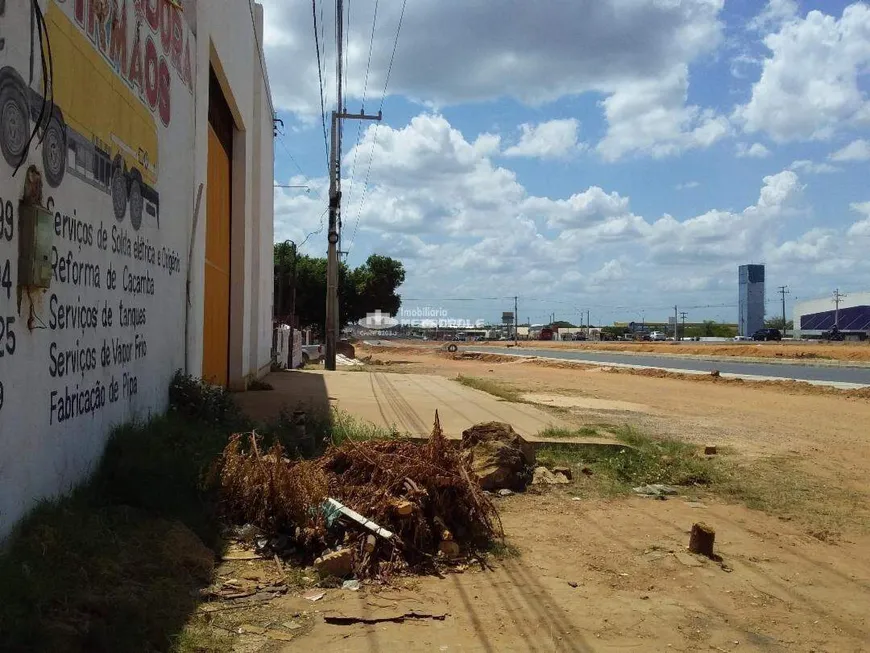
<point x="855" y="352"/>
<point x="596" y="574"/>
<point x="834" y="351"/>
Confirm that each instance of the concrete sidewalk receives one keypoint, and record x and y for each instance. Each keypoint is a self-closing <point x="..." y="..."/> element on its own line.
<point x="405" y="401"/>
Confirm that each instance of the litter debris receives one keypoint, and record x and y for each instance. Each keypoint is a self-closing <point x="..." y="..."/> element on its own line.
<point x="710" y="450"/>
<point x="341" y="359"/>
<point x="359" y="519"/>
<point x="388" y="504"/>
<point x="715" y="373"/>
<point x="313" y="595"/>
<point x="352" y="585"/>
<point x="404" y="508"/>
<point x="656" y="490"/>
<point x="543" y="476"/>
<point x="396" y="616"/>
<point x="504" y="492"/>
<point x="564" y="471"/>
<point x="572" y="583"/>
<point x="338" y="564"/>
<point x="448" y="548"/>
<point x="248" y="628"/>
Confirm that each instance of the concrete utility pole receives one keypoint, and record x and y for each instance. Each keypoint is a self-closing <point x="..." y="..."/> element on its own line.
<point x="675" y="323"/>
<point x="783" y="290"/>
<point x="838" y="296"/>
<point x="683" y="315"/>
<point x="333" y="321"/>
<point x="516" y="319"/>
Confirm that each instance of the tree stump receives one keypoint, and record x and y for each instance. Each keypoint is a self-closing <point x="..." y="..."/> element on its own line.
<point x="701" y="540"/>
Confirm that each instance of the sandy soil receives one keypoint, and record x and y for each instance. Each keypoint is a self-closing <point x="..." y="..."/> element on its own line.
<point x="756" y="419"/>
<point x="857" y="352"/>
<point x="613" y="575"/>
<point x="595" y="576"/>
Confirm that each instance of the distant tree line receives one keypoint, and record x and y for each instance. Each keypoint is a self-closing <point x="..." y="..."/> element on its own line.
<point x="370" y="287"/>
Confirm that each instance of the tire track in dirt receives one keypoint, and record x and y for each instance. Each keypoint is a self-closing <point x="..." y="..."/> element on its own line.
<point x="403" y="410"/>
<point x="444" y="384"/>
<point x="449" y="405"/>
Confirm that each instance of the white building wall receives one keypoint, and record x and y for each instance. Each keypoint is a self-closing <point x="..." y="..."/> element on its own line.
<point x="49" y="443"/>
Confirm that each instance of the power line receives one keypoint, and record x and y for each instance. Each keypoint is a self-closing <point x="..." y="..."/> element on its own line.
<point x="320" y="77"/>
<point x="362" y="110"/>
<point x="316" y="231"/>
<point x="375" y="134"/>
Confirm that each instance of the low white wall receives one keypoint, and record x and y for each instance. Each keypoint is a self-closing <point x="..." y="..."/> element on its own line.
<point x="99" y="346"/>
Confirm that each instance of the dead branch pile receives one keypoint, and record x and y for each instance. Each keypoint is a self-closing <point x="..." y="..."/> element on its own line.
<point x="422" y="493"/>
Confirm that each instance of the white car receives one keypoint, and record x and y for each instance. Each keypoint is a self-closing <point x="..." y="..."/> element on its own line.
<point x="311" y="353"/>
<point x="742" y="339"/>
<point x="657" y="336"/>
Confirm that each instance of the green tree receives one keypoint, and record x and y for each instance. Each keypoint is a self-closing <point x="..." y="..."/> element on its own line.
<point x="365" y="289"/>
<point x="777" y="323"/>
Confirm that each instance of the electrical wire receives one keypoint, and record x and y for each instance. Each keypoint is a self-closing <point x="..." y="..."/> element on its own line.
<point x="47" y="82"/>
<point x="316" y="231"/>
<point x="320" y="78"/>
<point x="377" y="125"/>
<point x="362" y="110"/>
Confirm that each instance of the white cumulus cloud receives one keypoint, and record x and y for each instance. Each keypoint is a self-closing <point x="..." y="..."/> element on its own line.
<point x="812" y="168"/>
<point x="754" y="151"/>
<point x="555" y="139"/>
<point x="809" y="86"/>
<point x="857" y="150"/>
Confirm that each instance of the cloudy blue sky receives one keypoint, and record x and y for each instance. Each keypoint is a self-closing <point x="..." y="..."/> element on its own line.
<point x="620" y="156"/>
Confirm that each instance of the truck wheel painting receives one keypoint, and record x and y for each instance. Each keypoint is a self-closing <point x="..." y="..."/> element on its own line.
<point x="14" y="121"/>
<point x="54" y="150"/>
<point x="110" y="145"/>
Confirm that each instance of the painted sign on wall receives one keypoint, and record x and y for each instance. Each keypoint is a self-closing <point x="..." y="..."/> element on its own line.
<point x="105" y="87"/>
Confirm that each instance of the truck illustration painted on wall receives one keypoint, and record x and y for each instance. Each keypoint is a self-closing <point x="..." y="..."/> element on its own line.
<point x="98" y="130"/>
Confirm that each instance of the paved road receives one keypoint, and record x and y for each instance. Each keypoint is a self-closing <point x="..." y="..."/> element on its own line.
<point x="817" y="374"/>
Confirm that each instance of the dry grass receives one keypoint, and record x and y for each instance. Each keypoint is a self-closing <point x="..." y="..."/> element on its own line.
<point x="371" y="477"/>
<point x="500" y="389"/>
<point x="781" y="486"/>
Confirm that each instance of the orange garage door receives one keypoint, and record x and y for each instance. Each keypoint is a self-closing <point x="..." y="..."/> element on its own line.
<point x="216" y="325"/>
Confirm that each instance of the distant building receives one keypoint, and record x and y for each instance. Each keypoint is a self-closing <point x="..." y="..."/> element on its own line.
<point x="815" y="316"/>
<point x="750" y="302"/>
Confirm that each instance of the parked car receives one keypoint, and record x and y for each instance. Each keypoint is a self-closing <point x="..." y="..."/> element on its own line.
<point x="834" y="335"/>
<point x="765" y="335"/>
<point x="658" y="336"/>
<point x="311" y="353"/>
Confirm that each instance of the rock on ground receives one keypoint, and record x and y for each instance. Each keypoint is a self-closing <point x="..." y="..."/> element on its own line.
<point x="543" y="476"/>
<point x="498" y="456"/>
<point x="338" y="564"/>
